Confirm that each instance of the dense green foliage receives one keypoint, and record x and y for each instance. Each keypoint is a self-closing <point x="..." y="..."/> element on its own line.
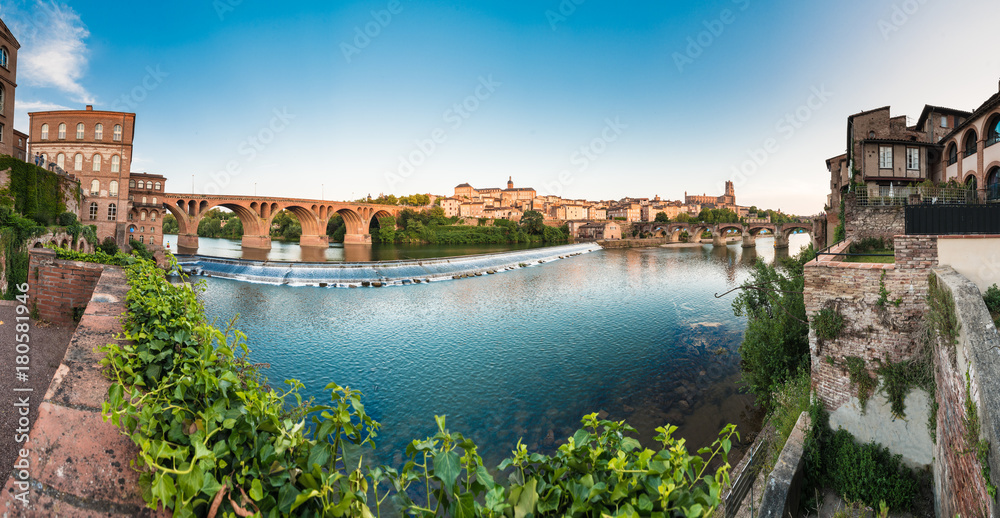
<point x="714" y="216"/>
<point x="431" y="226"/>
<point x="108" y="246"/>
<point x="867" y="473"/>
<point x="775" y="345"/>
<point x="790" y="400"/>
<point x="533" y="222"/>
<point x="213" y="437"/>
<point x="170" y="225"/>
<point x="119" y="258"/>
<point x="215" y="223"/>
<point x="15" y="230"/>
<point x="413" y="200"/>
<point x="899" y="378"/>
<point x="941" y="316"/>
<point x="661" y="217"/>
<point x="828" y="323"/>
<point x="139" y="249"/>
<point x="861" y="379"/>
<point x="36" y="191"/>
<point x="992" y="300"/>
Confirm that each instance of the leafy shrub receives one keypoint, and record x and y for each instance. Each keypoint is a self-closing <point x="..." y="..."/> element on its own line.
<point x="861" y="379"/>
<point x="213" y="435"/>
<point x="66" y="219"/>
<point x="790" y="401"/>
<point x="992" y="299"/>
<point x="139" y="249"/>
<point x="109" y="246"/>
<point x="828" y="323"/>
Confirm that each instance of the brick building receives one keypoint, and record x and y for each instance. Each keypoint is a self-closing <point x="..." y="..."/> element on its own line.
<point x="8" y="82"/>
<point x="145" y="211"/>
<point x="726" y="201"/>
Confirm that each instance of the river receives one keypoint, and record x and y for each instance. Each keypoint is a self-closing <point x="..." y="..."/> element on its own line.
<point x="637" y="335"/>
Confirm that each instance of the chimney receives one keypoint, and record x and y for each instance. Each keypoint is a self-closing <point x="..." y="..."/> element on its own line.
<point x="90" y="108"/>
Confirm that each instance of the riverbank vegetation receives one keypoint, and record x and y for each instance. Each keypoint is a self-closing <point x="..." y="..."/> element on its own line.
<point x="215" y="439"/>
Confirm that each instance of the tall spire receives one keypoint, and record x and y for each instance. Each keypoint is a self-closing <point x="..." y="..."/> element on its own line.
<point x="510" y="182"/>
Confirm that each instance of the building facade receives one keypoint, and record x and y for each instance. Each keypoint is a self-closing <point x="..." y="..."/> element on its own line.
<point x="145" y="208"/>
<point x="8" y="83"/>
<point x="95" y="147"/>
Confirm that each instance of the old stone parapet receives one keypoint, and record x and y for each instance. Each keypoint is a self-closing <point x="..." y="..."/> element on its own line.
<point x="781" y="495"/>
<point x="59" y="290"/>
<point x="80" y="464"/>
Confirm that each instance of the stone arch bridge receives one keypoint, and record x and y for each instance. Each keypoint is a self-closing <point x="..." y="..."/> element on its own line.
<point x="257" y="212"/>
<point x="722" y="231"/>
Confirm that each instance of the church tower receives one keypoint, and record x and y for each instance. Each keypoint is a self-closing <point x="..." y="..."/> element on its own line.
<point x="510" y="182"/>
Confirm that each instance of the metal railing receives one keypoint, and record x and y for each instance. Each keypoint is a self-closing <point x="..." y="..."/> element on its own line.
<point x="901" y="196"/>
<point x="745" y="481"/>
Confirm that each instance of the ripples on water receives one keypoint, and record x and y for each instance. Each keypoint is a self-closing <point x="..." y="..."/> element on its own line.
<point x="637" y="334"/>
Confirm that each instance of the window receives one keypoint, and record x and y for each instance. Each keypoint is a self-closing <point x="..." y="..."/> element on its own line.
<point x="143" y="200"/>
<point x="93" y="210"/>
<point x="95" y="187"/>
<point x="98" y="131"/>
<point x="913" y="159"/>
<point x="944" y="121"/>
<point x="45" y="132"/>
<point x="142" y="184"/>
<point x="142" y="216"/>
<point x="130" y="216"/>
<point x="157" y="187"/>
<point x="62" y="131"/>
<point x="97" y="161"/>
<point x="79" y="131"/>
<point x="61" y="161"/>
<point x="118" y="133"/>
<point x="152" y="215"/>
<point x="3" y="57"/>
<point x="885" y="157"/>
<point x="142" y="229"/>
<point x="152" y="230"/>
<point x="154" y="200"/>
<point x="970" y="143"/>
<point x="993" y="131"/>
<point x="116" y="163"/>
<point x="952" y="153"/>
<point x="113" y="188"/>
<point x="78" y="162"/>
<point x="152" y="240"/>
<point x="131" y="184"/>
<point x="2" y="103"/>
<point x="112" y="212"/>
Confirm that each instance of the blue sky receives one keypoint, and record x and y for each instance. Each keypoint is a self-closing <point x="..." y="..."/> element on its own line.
<point x="583" y="98"/>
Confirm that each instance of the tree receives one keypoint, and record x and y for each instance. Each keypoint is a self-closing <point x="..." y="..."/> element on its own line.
<point x="109" y="246"/>
<point x="170" y="225"/>
<point x="387" y="229"/>
<point x="684" y="217"/>
<point x="775" y="344"/>
<point x="533" y="222"/>
<point x="661" y="217"/>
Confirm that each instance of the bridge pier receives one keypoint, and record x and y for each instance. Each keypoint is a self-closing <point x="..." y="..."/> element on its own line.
<point x="187" y="244"/>
<point x="258" y="242"/>
<point x="314" y="241"/>
<point x="358" y="239"/>
<point x="749" y="241"/>
<point x="780" y="240"/>
<point x="719" y="239"/>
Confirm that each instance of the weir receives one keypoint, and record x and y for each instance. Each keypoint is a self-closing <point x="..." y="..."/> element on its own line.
<point x="386" y="273"/>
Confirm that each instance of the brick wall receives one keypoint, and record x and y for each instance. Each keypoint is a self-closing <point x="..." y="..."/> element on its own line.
<point x="880" y="222"/>
<point x="58" y="287"/>
<point x="961" y="488"/>
<point x="870" y="332"/>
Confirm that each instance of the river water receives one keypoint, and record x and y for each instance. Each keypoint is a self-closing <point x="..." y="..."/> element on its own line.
<point x="637" y="335"/>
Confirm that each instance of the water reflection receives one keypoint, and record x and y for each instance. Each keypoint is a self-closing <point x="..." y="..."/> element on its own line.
<point x="633" y="334"/>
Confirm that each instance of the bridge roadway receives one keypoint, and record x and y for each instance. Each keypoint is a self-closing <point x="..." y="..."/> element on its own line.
<point x="257" y="212"/>
<point x="748" y="232"/>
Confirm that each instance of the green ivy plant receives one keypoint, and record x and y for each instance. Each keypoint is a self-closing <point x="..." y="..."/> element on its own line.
<point x="828" y="323"/>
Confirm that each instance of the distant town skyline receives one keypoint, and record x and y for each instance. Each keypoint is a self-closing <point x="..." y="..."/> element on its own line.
<point x="581" y="99"/>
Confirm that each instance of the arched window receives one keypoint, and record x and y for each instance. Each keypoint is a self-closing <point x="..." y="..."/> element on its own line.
<point x="152" y="240"/>
<point x="79" y="131"/>
<point x="95" y="187"/>
<point x="142" y="184"/>
<point x="113" y="188"/>
<point x="112" y="212"/>
<point x="45" y="132"/>
<point x="129" y="216"/>
<point x="97" y="161"/>
<point x="142" y="239"/>
<point x="157" y="186"/>
<point x="62" y="131"/>
<point x="78" y="162"/>
<point x="152" y="216"/>
<point x="98" y="131"/>
<point x="142" y="216"/>
<point x="61" y="161"/>
<point x="118" y="133"/>
<point x="143" y="200"/>
<point x="3" y="57"/>
<point x="142" y="229"/>
<point x="952" y="153"/>
<point x="152" y="230"/>
<point x="93" y="210"/>
<point x="154" y="200"/>
<point x="993" y="130"/>
<point x="971" y="145"/>
<point x="116" y="163"/>
<point x="131" y="184"/>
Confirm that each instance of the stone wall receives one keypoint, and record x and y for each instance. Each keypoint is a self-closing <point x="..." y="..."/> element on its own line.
<point x="958" y="477"/>
<point x="58" y="288"/>
<point x="879" y="222"/>
<point x="634" y="243"/>
<point x="781" y="495"/>
<point x="873" y="333"/>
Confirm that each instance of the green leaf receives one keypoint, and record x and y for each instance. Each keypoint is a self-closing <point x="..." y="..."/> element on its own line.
<point x="695" y="511"/>
<point x="318" y="455"/>
<point x="302" y="498"/>
<point x="528" y="499"/>
<point x="163" y="489"/>
<point x="256" y="490"/>
<point x="447" y="467"/>
<point x="287" y="496"/>
<point x="465" y="506"/>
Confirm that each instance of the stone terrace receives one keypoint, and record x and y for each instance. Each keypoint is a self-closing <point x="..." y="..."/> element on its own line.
<point x="80" y="464"/>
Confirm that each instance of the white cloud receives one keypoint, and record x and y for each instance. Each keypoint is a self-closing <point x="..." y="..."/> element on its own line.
<point x="53" y="48"/>
<point x="37" y="106"/>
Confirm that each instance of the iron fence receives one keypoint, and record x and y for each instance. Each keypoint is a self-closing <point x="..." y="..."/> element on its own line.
<point x="887" y="196"/>
<point x="953" y="219"/>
